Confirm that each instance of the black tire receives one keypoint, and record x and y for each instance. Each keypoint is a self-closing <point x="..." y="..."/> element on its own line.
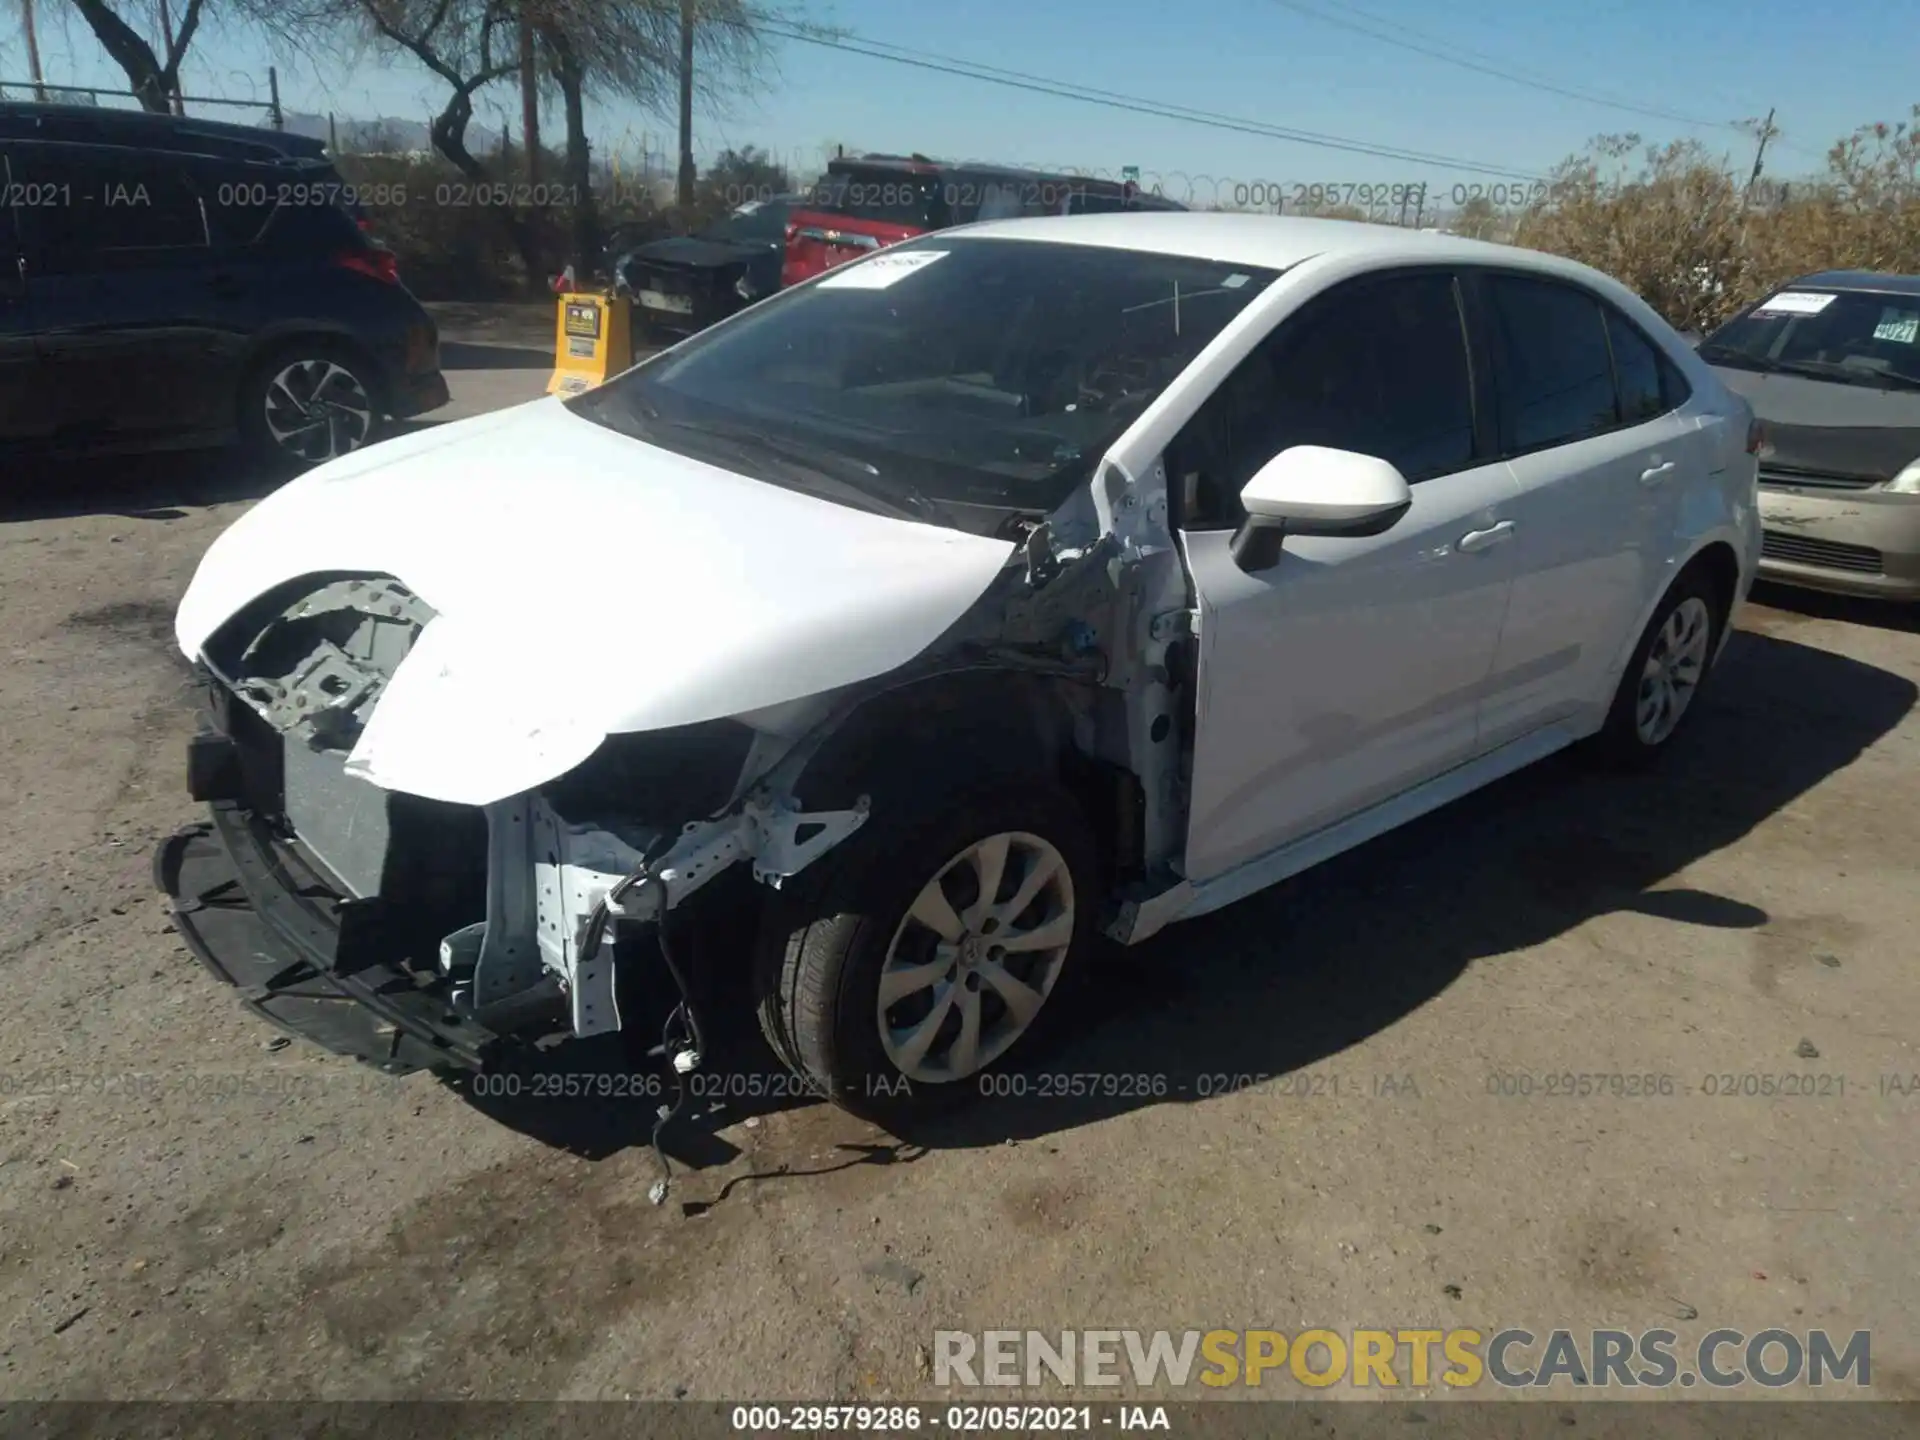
<point x="1623" y="740"/>
<point x="342" y="381"/>
<point x="823" y="947"/>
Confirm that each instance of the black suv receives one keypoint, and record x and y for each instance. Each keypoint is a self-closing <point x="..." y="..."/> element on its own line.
<point x="168" y="282"/>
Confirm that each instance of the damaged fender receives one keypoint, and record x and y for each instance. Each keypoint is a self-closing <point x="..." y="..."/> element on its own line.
<point x="584" y="584"/>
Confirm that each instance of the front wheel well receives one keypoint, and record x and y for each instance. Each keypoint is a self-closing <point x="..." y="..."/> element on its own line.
<point x="972" y="724"/>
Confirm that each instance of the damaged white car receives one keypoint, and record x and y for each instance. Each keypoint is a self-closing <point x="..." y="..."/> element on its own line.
<point x="868" y="657"/>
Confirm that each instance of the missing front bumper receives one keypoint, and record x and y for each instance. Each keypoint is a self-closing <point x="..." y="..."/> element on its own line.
<point x="256" y="927"/>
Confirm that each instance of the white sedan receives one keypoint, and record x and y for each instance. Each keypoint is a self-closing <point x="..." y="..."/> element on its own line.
<point x="866" y="657"/>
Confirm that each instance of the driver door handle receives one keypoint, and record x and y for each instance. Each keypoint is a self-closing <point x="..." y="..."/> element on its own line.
<point x="1484" y="539"/>
<point x="1655" y="475"/>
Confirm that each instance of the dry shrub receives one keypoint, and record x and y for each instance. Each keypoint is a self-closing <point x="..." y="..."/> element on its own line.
<point x="449" y="247"/>
<point x="1679" y="225"/>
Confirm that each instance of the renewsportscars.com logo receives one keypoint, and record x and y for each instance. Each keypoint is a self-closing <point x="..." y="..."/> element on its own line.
<point x="1512" y="1359"/>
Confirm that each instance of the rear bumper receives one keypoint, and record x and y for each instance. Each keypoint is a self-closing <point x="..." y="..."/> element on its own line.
<point x="1849" y="543"/>
<point x="709" y="293"/>
<point x="255" y="926"/>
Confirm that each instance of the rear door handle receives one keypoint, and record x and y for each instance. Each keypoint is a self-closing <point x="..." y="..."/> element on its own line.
<point x="225" y="285"/>
<point x="1485" y="539"/>
<point x="1655" y="475"/>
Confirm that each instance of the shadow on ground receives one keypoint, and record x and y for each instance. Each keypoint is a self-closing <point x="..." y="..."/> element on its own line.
<point x="1852" y="610"/>
<point x="1307" y="969"/>
<point x="158" y="486"/>
<point x="463" y="355"/>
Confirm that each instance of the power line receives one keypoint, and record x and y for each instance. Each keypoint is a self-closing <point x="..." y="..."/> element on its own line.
<point x="1567" y="92"/>
<point x="1488" y="65"/>
<point x="1020" y="80"/>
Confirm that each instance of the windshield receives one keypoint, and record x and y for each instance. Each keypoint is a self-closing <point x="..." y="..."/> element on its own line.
<point x="970" y="372"/>
<point x="1867" y="339"/>
<point x="756" y="220"/>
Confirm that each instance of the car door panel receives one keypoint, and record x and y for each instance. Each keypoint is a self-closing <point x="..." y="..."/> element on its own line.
<point x="118" y="283"/>
<point x="1597" y="466"/>
<point x="23" y="401"/>
<point x="1353" y="668"/>
<point x="1348" y="672"/>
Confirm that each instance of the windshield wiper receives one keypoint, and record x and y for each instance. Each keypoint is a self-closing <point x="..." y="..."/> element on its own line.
<point x="811" y="463"/>
<point x="1844" y="374"/>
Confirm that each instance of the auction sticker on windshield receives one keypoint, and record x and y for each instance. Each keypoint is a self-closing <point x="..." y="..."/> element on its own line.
<point x="1795" y="302"/>
<point x="882" y="271"/>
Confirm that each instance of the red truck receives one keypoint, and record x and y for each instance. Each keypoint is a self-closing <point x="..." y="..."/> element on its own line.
<point x="865" y="204"/>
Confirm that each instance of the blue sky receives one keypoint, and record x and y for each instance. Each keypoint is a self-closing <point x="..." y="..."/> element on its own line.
<point x="1259" y="59"/>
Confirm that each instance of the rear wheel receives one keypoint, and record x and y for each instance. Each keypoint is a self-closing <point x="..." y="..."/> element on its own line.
<point x="1665" y="674"/>
<point x="934" y="950"/>
<point x="310" y="403"/>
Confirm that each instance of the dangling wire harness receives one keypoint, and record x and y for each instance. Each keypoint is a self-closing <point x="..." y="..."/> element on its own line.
<point x="682" y="1040"/>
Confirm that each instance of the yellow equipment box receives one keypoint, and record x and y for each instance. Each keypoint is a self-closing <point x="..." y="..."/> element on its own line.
<point x="593" y="342"/>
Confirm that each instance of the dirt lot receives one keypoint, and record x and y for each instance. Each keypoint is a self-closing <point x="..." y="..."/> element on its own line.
<point x="188" y="1209"/>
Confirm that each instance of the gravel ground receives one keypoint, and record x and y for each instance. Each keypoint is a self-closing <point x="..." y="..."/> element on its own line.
<point x="190" y="1209"/>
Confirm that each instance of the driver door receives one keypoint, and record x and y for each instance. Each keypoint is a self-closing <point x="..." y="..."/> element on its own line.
<point x="1352" y="669"/>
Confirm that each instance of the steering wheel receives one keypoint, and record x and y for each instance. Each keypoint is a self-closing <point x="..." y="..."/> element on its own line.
<point x="1112" y="380"/>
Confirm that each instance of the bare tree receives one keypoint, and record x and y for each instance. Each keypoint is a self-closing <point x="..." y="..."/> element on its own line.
<point x="31" y="35"/>
<point x="466" y="44"/>
<point x="650" y="52"/>
<point x="153" y="76"/>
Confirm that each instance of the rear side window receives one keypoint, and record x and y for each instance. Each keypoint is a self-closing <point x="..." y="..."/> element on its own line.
<point x="121" y="206"/>
<point x="1636" y="370"/>
<point x="1379" y="367"/>
<point x="296" y="229"/>
<point x="1554" y="375"/>
<point x="1649" y="384"/>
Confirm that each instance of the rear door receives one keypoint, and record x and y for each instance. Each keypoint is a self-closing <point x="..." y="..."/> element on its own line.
<point x="23" y="403"/>
<point x="119" y="282"/>
<point x="1588" y="420"/>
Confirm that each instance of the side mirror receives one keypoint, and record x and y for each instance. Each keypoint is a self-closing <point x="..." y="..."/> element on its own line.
<point x="1313" y="490"/>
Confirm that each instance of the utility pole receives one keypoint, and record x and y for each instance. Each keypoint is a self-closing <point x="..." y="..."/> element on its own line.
<point x="34" y="72"/>
<point x="529" y="98"/>
<point x="686" y="106"/>
<point x="1767" y="132"/>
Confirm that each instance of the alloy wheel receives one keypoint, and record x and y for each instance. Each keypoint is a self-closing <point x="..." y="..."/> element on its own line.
<point x="1675" y="663"/>
<point x="979" y="951"/>
<point x="318" y="410"/>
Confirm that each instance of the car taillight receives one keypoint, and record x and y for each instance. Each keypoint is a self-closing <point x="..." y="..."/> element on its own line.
<point x="1756" y="436"/>
<point x="380" y="264"/>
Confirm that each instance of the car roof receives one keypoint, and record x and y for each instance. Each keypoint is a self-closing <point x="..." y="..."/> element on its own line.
<point x="1869" y="281"/>
<point x="1270" y="242"/>
<point x="99" y="125"/>
<point x="923" y="164"/>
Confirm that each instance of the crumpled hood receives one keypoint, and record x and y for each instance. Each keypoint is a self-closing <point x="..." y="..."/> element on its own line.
<point x="587" y="584"/>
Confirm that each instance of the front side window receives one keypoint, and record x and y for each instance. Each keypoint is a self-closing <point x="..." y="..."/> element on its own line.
<point x="1846" y="336"/>
<point x="943" y="372"/>
<point x="1379" y="367"/>
<point x="1554" y="372"/>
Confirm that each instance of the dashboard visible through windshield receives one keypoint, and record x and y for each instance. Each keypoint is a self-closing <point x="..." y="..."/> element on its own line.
<point x="948" y="371"/>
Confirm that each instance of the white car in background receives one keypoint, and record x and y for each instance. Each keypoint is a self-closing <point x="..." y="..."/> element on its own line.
<point x="865" y="657"/>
